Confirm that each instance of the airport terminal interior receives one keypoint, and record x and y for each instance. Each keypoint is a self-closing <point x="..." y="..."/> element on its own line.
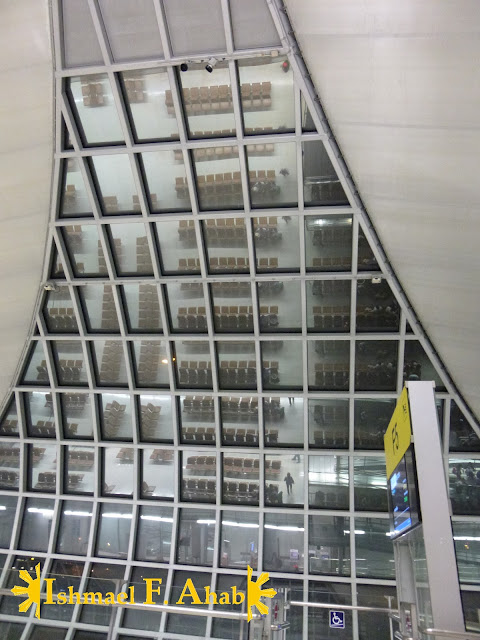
<point x="220" y="351"/>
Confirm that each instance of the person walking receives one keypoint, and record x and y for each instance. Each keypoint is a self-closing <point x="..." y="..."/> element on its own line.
<point x="289" y="481"/>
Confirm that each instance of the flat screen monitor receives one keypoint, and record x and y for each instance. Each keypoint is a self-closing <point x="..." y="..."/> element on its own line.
<point x="403" y="497"/>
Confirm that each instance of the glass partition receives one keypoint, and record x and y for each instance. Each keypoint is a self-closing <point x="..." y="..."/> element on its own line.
<point x="273" y="177"/>
<point x="277" y="247"/>
<point x="36" y="524"/>
<point x="241" y="479"/>
<point x="418" y="366"/>
<point x="9" y="466"/>
<point x="74" y="529"/>
<point x="366" y="257"/>
<point x="226" y="243"/>
<point x="154" y="534"/>
<point x="66" y="573"/>
<point x="328" y="478"/>
<point x="239" y="419"/>
<point x="109" y="363"/>
<point x="283" y="420"/>
<point x="35" y="370"/>
<point x="138" y="618"/>
<point x="328" y="243"/>
<point x="115" y="184"/>
<point x="329" y="545"/>
<point x="9" y="420"/>
<point x="195" y="536"/>
<point x="42" y="467"/>
<point x="150" y="105"/>
<point x="99" y="308"/>
<point x="329" y="365"/>
<point x="218" y="181"/>
<point x="321" y="185"/>
<point x="376" y="365"/>
<point x="58" y="312"/>
<point x="464" y="486"/>
<point x="166" y="181"/>
<point x="280" y="308"/>
<point x="158" y="474"/>
<point x="130" y="250"/>
<point x="8" y="507"/>
<point x="117" y="471"/>
<point x="284" y="480"/>
<point x="141" y="306"/>
<point x="186" y="307"/>
<point x="74" y="200"/>
<point x="199" y="473"/>
<point x="151" y="363"/>
<point x="370" y="481"/>
<point x="39" y="414"/>
<point x="156" y="418"/>
<point x="372" y="418"/>
<point x="377" y="309"/>
<point x="462" y="436"/>
<point x="374" y="549"/>
<point x="69" y="363"/>
<point x="282" y="365"/>
<point x="178" y="250"/>
<point x="197" y="418"/>
<point x="233" y="311"/>
<point x="239" y="539"/>
<point x="94" y="109"/>
<point x="103" y="577"/>
<point x="328" y="593"/>
<point x="115" y="521"/>
<point x="266" y="92"/>
<point x="467" y="550"/>
<point x="84" y="250"/>
<point x="328" y="424"/>
<point x="236" y="365"/>
<point x="115" y="416"/>
<point x="283" y="543"/>
<point x="79" y="469"/>
<point x="76" y="412"/>
<point x="193" y="365"/>
<point x="328" y="306"/>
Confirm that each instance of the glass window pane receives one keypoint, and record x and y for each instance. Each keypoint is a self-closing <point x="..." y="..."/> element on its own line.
<point x="130" y="250"/>
<point x="42" y="464"/>
<point x="376" y="365"/>
<point x="193" y="365"/>
<point x="99" y="308"/>
<point x="279" y="306"/>
<point x="239" y="539"/>
<point x="186" y="307"/>
<point x="318" y="619"/>
<point x="329" y="545"/>
<point x="114" y="530"/>
<point x="377" y="309"/>
<point x="462" y="436"/>
<point x="9" y="604"/>
<point x="366" y="258"/>
<point x="138" y="618"/>
<point x="239" y="417"/>
<point x="188" y="625"/>
<point x="84" y="250"/>
<point x="195" y="27"/>
<point x="328" y="306"/>
<point x="56" y="267"/>
<point x="208" y="105"/>
<point x="328" y="424"/>
<point x="467" y="550"/>
<point x="328" y="365"/>
<point x="266" y="89"/>
<point x="158" y="479"/>
<point x="94" y="109"/>
<point x="156" y="418"/>
<point x="218" y="180"/>
<point x="132" y="30"/>
<point x="236" y="365"/>
<point x="321" y="185"/>
<point x="282" y="365"/>
<point x="151" y="363"/>
<point x="8" y="507"/>
<point x="142" y="308"/>
<point x="58" y="312"/>
<point x="66" y="573"/>
<point x="39" y="415"/>
<point x="48" y="633"/>
<point x="154" y="534"/>
<point x="374" y="624"/>
<point x="464" y="486"/>
<point x="197" y="417"/>
<point x="283" y="542"/>
<point x="76" y="415"/>
<point x="372" y="418"/>
<point x="36" y="524"/>
<point x="166" y="181"/>
<point x="284" y="469"/>
<point x="69" y="363"/>
<point x="223" y="627"/>
<point x="369" y="479"/>
<point x="178" y="250"/>
<point x="283" y="420"/>
<point x="35" y="370"/>
<point x="253" y="27"/>
<point x="116" y="416"/>
<point x="196" y="532"/>
<point x="9" y="420"/>
<point x="74" y="198"/>
<point x="79" y="469"/>
<point x="328" y="243"/>
<point x="418" y="366"/>
<point x="109" y="363"/>
<point x="374" y="549"/>
<point x="149" y="101"/>
<point x="80" y="40"/>
<point x="328" y="482"/>
<point x="241" y="479"/>
<point x="273" y="178"/>
<point x="308" y="124"/>
<point x="118" y="477"/>
<point x="226" y="244"/>
<point x="102" y="578"/>
<point x="74" y="528"/>
<point x="116" y="187"/>
<point x="9" y="465"/>
<point x="199" y="474"/>
<point x="233" y="311"/>
<point x="277" y="246"/>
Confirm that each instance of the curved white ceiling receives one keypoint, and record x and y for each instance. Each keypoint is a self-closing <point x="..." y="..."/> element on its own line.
<point x="399" y="83"/>
<point x="26" y="132"/>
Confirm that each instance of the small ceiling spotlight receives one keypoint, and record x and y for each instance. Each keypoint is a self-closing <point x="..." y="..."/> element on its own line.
<point x="184" y="66"/>
<point x="210" y="64"/>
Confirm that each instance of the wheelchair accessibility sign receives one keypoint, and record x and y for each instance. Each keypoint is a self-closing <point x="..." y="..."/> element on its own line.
<point x="337" y="620"/>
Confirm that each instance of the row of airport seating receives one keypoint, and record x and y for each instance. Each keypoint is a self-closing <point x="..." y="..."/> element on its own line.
<point x="331" y="264"/>
<point x="192" y="318"/>
<point x="330" y="439"/>
<point x="148" y="307"/>
<point x="153" y="202"/>
<point x="198" y="434"/>
<point x="109" y="320"/>
<point x="241" y="467"/>
<point x="199" y="489"/>
<point x="240" y="492"/>
<point x="328" y="497"/>
<point x="70" y="371"/>
<point x="226" y="152"/>
<point x="331" y="318"/>
<point x="47" y="480"/>
<point x="150" y="416"/>
<point x="161" y="456"/>
<point x="113" y="415"/>
<point x="70" y="401"/>
<point x="93" y="93"/>
<point x="144" y="259"/>
<point x="112" y="359"/>
<point x="240" y="409"/>
<point x="199" y="407"/>
<point x="8" y="479"/>
<point x="331" y="414"/>
<point x="61" y="319"/>
<point x="80" y="459"/>
<point x="195" y="373"/>
<point x="9" y="427"/>
<point x="233" y="374"/>
<point x="333" y="288"/>
<point x="135" y="89"/>
<point x="328" y="235"/>
<point x="201" y="464"/>
<point x="189" y="264"/>
<point x="42" y="429"/>
<point x="229" y="264"/>
<point x="219" y="184"/>
<point x="218" y="99"/>
<point x="117" y="250"/>
<point x="149" y="362"/>
<point x="9" y="456"/>
<point x="331" y="376"/>
<point x="240" y="436"/>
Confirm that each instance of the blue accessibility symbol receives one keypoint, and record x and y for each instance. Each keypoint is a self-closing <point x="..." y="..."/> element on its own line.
<point x="337" y="620"/>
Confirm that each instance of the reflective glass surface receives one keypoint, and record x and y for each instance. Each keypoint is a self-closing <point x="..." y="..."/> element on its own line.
<point x="74" y="200"/>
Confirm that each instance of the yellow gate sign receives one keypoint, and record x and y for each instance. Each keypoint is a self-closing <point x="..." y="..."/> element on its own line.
<point x="398" y="435"/>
